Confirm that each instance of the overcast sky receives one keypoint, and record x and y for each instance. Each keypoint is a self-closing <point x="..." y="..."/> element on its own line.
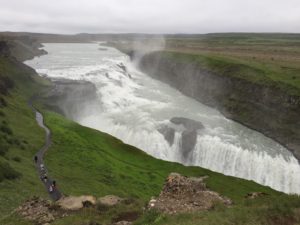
<point x="150" y="16"/>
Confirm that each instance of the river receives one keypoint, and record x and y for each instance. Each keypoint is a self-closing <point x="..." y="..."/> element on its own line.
<point x="136" y="108"/>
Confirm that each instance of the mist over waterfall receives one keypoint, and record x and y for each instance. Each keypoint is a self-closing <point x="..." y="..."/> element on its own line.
<point x="163" y="122"/>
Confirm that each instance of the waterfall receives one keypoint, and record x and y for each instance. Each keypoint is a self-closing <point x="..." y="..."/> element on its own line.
<point x="139" y="110"/>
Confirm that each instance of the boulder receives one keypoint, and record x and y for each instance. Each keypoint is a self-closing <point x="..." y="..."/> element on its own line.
<point x="109" y="200"/>
<point x="76" y="203"/>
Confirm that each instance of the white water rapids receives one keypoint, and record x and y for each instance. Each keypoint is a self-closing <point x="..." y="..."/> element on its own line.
<point x="133" y="107"/>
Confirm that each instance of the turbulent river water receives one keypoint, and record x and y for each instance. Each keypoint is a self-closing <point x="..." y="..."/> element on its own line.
<point x="135" y="108"/>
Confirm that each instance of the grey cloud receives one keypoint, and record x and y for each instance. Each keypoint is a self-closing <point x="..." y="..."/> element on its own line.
<point x="156" y="16"/>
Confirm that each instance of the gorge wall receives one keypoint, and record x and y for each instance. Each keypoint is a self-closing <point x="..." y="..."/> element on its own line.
<point x="265" y="108"/>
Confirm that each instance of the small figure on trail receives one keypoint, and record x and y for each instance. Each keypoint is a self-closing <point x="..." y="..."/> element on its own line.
<point x="51" y="189"/>
<point x="54" y="183"/>
<point x="43" y="174"/>
<point x="35" y="159"/>
<point x="45" y="178"/>
<point x="42" y="167"/>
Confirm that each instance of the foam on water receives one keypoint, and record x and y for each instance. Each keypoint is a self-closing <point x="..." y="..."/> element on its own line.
<point x="134" y="107"/>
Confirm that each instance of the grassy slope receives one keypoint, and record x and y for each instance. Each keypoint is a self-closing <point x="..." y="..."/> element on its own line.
<point x="101" y="164"/>
<point x="21" y="120"/>
<point x="269" y="58"/>
<point x="251" y="71"/>
<point x="86" y="161"/>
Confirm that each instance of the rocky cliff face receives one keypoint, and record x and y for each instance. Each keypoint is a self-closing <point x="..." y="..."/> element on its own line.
<point x="72" y="98"/>
<point x="265" y="108"/>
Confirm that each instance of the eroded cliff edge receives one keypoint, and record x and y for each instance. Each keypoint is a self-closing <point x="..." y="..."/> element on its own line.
<point x="238" y="91"/>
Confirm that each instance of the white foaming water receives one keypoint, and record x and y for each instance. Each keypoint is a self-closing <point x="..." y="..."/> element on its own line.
<point x="133" y="107"/>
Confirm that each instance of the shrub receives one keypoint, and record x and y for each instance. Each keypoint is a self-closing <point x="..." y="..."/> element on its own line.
<point x="5" y="129"/>
<point x="10" y="141"/>
<point x="5" y="85"/>
<point x="3" y="147"/>
<point x="16" y="158"/>
<point x="8" y="82"/>
<point x="7" y="172"/>
<point x="17" y="142"/>
<point x="3" y="103"/>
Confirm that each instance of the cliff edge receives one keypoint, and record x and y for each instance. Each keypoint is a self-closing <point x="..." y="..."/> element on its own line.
<point x="240" y="92"/>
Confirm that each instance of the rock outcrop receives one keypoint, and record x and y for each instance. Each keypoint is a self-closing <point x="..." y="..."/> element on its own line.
<point x="266" y="108"/>
<point x="109" y="200"/>
<point x="168" y="133"/>
<point x="40" y="211"/>
<point x="72" y="98"/>
<point x="189" y="135"/>
<point x="76" y="202"/>
<point x="189" y="124"/>
<point x="189" y="132"/>
<point x="181" y="194"/>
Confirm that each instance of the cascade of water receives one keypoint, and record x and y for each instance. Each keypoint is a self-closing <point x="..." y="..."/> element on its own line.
<point x="136" y="108"/>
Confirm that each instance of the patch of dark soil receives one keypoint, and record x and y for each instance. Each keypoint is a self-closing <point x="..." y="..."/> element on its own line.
<point x="282" y="220"/>
<point x="126" y="216"/>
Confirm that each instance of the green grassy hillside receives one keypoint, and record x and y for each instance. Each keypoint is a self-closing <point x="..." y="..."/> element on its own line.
<point x="269" y="58"/>
<point x="116" y="168"/>
<point x="265" y="74"/>
<point x="86" y="161"/>
<point x="19" y="136"/>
